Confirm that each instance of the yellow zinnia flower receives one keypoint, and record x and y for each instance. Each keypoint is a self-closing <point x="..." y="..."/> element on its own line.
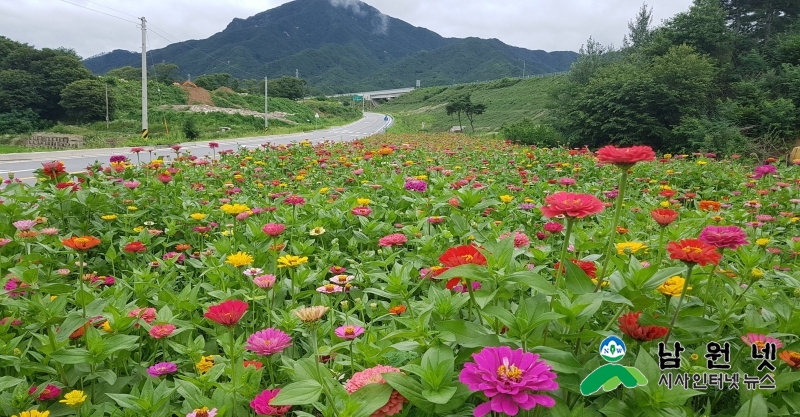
<point x="198" y="216"/>
<point x="74" y="398"/>
<point x="291" y="261"/>
<point x="324" y="190"/>
<point x="138" y="229"/>
<point x="363" y="201"/>
<point x="506" y="198"/>
<point x="109" y="217"/>
<point x="234" y="208"/>
<point x="205" y="363"/>
<point x="107" y="327"/>
<point x="756" y="273"/>
<point x="239" y="259"/>
<point x="133" y="208"/>
<point x="673" y="286"/>
<point x="628" y="248"/>
<point x="762" y="241"/>
<point x="33" y="413"/>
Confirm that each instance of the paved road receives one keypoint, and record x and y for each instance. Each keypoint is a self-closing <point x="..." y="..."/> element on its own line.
<point x="22" y="165"/>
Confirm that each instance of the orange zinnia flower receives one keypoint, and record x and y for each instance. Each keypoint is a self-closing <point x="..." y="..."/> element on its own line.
<point x="708" y="205"/>
<point x="397" y="309"/>
<point x="694" y="251"/>
<point x="81" y="243"/>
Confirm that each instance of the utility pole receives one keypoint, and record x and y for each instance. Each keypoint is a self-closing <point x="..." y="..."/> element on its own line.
<point x="144" y="79"/>
<point x="106" y="106"/>
<point x="266" y="105"/>
<point x="296" y="73"/>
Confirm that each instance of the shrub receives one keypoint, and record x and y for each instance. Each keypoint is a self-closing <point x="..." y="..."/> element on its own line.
<point x="190" y="129"/>
<point x="530" y="133"/>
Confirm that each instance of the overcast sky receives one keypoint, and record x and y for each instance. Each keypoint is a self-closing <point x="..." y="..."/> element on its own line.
<point x="551" y="25"/>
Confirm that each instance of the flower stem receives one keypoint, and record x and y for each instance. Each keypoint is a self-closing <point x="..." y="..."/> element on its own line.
<point x="689" y="268"/>
<point x="661" y="245"/>
<point x="563" y="256"/>
<point x="233" y="370"/>
<point x="623" y="185"/>
<point x="472" y="302"/>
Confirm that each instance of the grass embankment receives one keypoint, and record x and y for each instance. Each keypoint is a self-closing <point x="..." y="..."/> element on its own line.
<point x="165" y="124"/>
<point x="507" y="101"/>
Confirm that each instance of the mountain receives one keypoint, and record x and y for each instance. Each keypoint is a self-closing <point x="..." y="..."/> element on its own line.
<point x="341" y="46"/>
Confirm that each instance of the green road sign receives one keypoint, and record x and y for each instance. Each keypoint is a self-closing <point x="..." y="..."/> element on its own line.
<point x="357" y="98"/>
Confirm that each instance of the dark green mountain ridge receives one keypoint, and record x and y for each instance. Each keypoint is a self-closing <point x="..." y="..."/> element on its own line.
<point x="341" y="46"/>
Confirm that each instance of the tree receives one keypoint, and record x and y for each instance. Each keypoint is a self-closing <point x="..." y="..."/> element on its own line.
<point x="163" y="73"/>
<point x="126" y="73"/>
<point x="213" y="81"/>
<point x="190" y="129"/>
<point x="639" y="29"/>
<point x="457" y="107"/>
<point x="288" y="87"/>
<point x="84" y="100"/>
<point x="473" y="109"/>
<point x="18" y="91"/>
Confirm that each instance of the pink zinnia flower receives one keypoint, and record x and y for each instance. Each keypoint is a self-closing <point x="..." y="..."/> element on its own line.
<point x="393" y="239"/>
<point x="761" y="340"/>
<point x="373" y="376"/>
<point x="48" y="393"/>
<point x="50" y="231"/>
<point x="571" y="205"/>
<point x="268" y="342"/>
<point x="264" y="281"/>
<point x="361" y="211"/>
<point x="261" y="404"/>
<point x="349" y="332"/>
<point x="23" y="225"/>
<point x="553" y="227"/>
<point x="520" y="239"/>
<point x="4" y="241"/>
<point x="131" y="184"/>
<point x="203" y="412"/>
<point x="160" y="331"/>
<point x="273" y="229"/>
<point x="162" y="368"/>
<point x="295" y="200"/>
<point x="511" y="379"/>
<point x="337" y="269"/>
<point x="342" y="279"/>
<point x="252" y="271"/>
<point x="723" y="236"/>
<point x="330" y="289"/>
<point x="213" y="145"/>
<point x="147" y="314"/>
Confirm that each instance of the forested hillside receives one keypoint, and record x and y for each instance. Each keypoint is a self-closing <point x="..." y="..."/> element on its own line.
<point x="723" y="76"/>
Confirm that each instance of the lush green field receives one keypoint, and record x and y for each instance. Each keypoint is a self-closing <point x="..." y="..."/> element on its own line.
<point x="507" y="101"/>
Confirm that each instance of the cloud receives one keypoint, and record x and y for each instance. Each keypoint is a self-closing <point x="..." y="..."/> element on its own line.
<point x="380" y="24"/>
<point x="353" y="4"/>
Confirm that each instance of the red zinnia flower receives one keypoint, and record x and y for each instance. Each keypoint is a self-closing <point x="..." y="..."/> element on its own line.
<point x="397" y="310"/>
<point x="694" y="251"/>
<point x="165" y="178"/>
<point x="461" y="255"/>
<point x="53" y="169"/>
<point x="664" y="216"/>
<point x="227" y="313"/>
<point x="629" y="324"/>
<point x="135" y="247"/>
<point x="625" y="157"/>
<point x="588" y="267"/>
<point x="571" y="205"/>
<point x="81" y="243"/>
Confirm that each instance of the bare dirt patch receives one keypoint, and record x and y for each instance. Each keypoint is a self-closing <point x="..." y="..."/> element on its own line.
<point x="203" y="108"/>
<point x="198" y="95"/>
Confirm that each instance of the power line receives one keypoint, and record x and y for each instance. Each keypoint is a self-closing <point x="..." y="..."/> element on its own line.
<point x="118" y="11"/>
<point x="98" y="11"/>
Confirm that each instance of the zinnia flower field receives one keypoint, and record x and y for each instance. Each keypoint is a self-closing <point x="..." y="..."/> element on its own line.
<point x="401" y="275"/>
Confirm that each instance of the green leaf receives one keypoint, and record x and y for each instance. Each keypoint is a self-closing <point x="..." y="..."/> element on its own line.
<point x="437" y="366"/>
<point x="298" y="393"/>
<point x="371" y="397"/>
<point x="409" y="388"/>
<point x="468" y="271"/>
<point x="533" y="280"/>
<point x="754" y="407"/>
<point x="70" y="356"/>
<point x="442" y="396"/>
<point x="697" y="325"/>
<point x="8" y="382"/>
<point x="466" y="334"/>
<point x="616" y="408"/>
<point x="577" y="281"/>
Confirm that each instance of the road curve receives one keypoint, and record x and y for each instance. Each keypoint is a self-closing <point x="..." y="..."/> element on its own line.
<point x="22" y="165"/>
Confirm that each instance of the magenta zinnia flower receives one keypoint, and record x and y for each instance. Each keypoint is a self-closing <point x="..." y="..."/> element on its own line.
<point x="261" y="404"/>
<point x="510" y="379"/>
<point x="273" y="229"/>
<point x="349" y="332"/>
<point x="162" y="368"/>
<point x="373" y="376"/>
<point x="761" y="340"/>
<point x="160" y="331"/>
<point x="268" y="342"/>
<point x="723" y="236"/>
